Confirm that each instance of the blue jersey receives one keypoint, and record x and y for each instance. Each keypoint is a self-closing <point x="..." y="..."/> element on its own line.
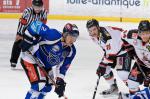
<point x="68" y="54"/>
<point x="50" y="46"/>
<point x="143" y="94"/>
<point x="51" y="51"/>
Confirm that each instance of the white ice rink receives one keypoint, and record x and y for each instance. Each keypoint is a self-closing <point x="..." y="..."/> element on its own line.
<point x="80" y="78"/>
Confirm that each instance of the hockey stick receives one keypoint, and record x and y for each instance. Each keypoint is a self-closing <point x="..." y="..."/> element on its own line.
<point x="51" y="79"/>
<point x="53" y="82"/>
<point x="97" y="83"/>
<point x="138" y="64"/>
<point x="46" y="74"/>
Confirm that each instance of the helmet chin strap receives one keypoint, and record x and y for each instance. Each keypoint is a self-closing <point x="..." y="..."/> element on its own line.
<point x="149" y="40"/>
<point x="63" y="39"/>
<point x="65" y="45"/>
<point x="99" y="34"/>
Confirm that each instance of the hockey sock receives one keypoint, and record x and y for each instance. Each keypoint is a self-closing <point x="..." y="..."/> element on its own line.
<point x="32" y="94"/>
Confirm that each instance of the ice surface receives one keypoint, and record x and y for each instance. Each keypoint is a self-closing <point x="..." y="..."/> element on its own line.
<point x="81" y="77"/>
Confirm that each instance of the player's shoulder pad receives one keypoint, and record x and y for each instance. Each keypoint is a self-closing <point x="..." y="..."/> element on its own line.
<point x="116" y="28"/>
<point x="35" y="27"/>
<point x="132" y="34"/>
<point x="52" y="35"/>
<point x="105" y="34"/>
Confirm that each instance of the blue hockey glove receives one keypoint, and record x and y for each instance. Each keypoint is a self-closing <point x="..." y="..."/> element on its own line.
<point x="61" y="87"/>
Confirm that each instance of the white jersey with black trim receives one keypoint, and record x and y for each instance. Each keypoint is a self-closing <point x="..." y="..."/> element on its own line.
<point x="29" y="16"/>
<point x="142" y="49"/>
<point x="112" y="45"/>
<point x="110" y="41"/>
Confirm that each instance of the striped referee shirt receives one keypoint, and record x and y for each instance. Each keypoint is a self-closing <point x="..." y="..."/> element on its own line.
<point x="28" y="16"/>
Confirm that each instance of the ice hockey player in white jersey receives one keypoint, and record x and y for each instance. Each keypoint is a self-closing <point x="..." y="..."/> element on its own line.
<point x="140" y="51"/>
<point x="109" y="39"/>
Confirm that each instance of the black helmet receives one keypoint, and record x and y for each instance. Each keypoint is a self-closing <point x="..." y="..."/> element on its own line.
<point x="37" y="3"/>
<point x="71" y="29"/>
<point x="144" y="25"/>
<point x="92" y="22"/>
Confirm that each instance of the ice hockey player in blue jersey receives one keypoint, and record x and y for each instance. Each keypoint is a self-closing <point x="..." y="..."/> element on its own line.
<point x="43" y="47"/>
<point x="143" y="94"/>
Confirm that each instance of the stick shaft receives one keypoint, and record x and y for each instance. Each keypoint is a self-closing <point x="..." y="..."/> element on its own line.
<point x="138" y="64"/>
<point x="97" y="83"/>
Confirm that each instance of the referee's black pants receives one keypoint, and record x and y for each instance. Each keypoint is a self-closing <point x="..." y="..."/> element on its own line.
<point x="15" y="52"/>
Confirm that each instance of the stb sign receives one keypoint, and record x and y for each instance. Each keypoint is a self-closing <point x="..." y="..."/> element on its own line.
<point x="17" y="6"/>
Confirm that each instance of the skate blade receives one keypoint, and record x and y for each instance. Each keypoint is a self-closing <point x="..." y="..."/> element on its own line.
<point x="123" y="96"/>
<point x="16" y="69"/>
<point x="113" y="95"/>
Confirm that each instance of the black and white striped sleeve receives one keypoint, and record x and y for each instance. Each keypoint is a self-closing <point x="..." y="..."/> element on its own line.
<point x="24" y="20"/>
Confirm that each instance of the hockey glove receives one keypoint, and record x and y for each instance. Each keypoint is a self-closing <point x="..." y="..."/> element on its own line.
<point x="147" y="82"/>
<point x="26" y="43"/>
<point x="129" y="48"/>
<point x="101" y="69"/>
<point x="61" y="87"/>
<point x="113" y="58"/>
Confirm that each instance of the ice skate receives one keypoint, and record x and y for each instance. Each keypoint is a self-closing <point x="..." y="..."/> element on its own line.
<point x="13" y="66"/>
<point x="112" y="91"/>
<point x="123" y="95"/>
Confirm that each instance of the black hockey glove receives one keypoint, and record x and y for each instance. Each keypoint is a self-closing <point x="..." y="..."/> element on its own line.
<point x="26" y="43"/>
<point x="101" y="69"/>
<point x="112" y="58"/>
<point x="147" y="82"/>
<point x="129" y="48"/>
<point x="61" y="87"/>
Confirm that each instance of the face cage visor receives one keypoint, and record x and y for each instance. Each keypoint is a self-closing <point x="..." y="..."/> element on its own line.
<point x="74" y="34"/>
